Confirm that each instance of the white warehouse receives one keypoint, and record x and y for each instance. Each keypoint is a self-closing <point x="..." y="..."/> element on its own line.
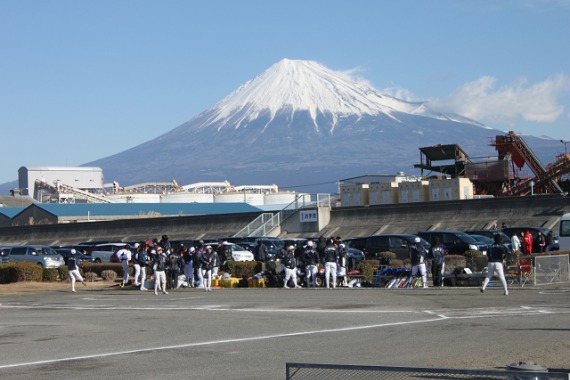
<point x="85" y="178"/>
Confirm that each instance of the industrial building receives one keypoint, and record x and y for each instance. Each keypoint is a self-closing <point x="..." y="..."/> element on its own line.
<point x="79" y="185"/>
<point x="452" y="175"/>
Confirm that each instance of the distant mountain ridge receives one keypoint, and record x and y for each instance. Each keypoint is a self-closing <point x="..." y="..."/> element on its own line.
<point x="302" y="126"/>
<point x="299" y="125"/>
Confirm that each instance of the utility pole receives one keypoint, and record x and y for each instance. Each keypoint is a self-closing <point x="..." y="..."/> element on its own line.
<point x="565" y="146"/>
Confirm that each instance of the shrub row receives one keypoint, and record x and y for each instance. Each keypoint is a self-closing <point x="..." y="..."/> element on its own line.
<point x="14" y="272"/>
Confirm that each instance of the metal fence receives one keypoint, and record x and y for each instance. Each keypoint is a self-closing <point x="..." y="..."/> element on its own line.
<point x="551" y="269"/>
<point x="302" y="371"/>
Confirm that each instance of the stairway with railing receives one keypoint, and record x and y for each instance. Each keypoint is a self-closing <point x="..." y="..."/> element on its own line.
<point x="267" y="222"/>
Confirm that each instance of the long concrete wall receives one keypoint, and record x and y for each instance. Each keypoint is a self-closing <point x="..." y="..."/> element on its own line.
<point x="452" y="215"/>
<point x="345" y="222"/>
<point x="183" y="227"/>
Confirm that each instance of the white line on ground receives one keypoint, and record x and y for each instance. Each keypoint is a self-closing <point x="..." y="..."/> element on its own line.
<point x="238" y="340"/>
<point x="441" y="316"/>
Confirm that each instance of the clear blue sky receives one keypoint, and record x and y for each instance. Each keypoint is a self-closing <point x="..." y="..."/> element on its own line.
<point x="82" y="80"/>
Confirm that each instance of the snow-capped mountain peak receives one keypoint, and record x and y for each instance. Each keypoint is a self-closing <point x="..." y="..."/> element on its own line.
<point x="299" y="85"/>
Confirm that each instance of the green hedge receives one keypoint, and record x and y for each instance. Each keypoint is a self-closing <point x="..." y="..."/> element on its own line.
<point x="98" y="268"/>
<point x="50" y="275"/>
<point x="15" y="272"/>
<point x="240" y="269"/>
<point x="366" y="270"/>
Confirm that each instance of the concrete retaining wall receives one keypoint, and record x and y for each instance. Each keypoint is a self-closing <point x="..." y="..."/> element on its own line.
<point x="184" y="227"/>
<point x="345" y="222"/>
<point x="452" y="215"/>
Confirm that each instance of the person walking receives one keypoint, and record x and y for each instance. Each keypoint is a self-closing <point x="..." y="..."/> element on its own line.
<point x="290" y="265"/>
<point x="437" y="254"/>
<point x="200" y="251"/>
<point x="125" y="256"/>
<point x="73" y="264"/>
<point x="516" y="243"/>
<point x="417" y="254"/>
<point x="311" y="260"/>
<point x="143" y="261"/>
<point x="175" y="264"/>
<point x="541" y="242"/>
<point x="136" y="264"/>
<point x="330" y="259"/>
<point x="527" y="242"/>
<point x="189" y="265"/>
<point x="496" y="256"/>
<point x="260" y="251"/>
<point x="342" y="262"/>
<point x="159" y="267"/>
<point x="207" y="260"/>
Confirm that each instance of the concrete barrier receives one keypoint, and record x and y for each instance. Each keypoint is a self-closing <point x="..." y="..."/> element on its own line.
<point x="540" y="210"/>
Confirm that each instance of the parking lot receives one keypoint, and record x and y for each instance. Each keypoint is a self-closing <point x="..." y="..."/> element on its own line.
<point x="252" y="333"/>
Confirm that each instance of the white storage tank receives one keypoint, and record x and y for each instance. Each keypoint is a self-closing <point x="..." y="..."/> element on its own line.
<point x="250" y="198"/>
<point x="284" y="197"/>
<point x="186" y="197"/>
<point x="134" y="198"/>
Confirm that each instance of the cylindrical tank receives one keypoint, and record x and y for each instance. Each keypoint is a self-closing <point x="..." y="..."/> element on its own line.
<point x="185" y="197"/>
<point x="250" y="198"/>
<point x="134" y="198"/>
<point x="286" y="197"/>
<point x="279" y="198"/>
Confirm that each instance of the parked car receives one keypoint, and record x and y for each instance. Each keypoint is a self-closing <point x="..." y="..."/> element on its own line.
<point x="102" y="253"/>
<point x="396" y="243"/>
<point x="273" y="245"/>
<point x="485" y="240"/>
<point x="354" y="256"/>
<point x="4" y="255"/>
<point x="42" y="255"/>
<point x="234" y="252"/>
<point x="510" y="231"/>
<point x="456" y="242"/>
<point x="491" y="235"/>
<point x="65" y="252"/>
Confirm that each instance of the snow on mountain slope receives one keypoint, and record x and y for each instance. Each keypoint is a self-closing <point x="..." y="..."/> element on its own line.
<point x="305" y="86"/>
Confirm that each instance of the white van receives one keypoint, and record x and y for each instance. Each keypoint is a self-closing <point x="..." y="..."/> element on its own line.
<point x="564" y="233"/>
<point x="102" y="253"/>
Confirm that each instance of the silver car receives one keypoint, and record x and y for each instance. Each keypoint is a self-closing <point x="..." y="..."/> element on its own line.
<point x="42" y="255"/>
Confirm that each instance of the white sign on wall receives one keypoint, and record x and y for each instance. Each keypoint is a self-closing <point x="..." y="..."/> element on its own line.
<point x="309" y="216"/>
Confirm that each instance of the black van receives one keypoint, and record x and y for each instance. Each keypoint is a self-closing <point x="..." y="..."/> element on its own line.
<point x="397" y="243"/>
<point x="456" y="242"/>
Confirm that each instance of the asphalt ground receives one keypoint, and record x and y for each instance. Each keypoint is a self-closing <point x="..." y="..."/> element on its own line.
<point x="114" y="333"/>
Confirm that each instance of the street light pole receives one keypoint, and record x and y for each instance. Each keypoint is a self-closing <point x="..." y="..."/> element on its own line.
<point x="565" y="146"/>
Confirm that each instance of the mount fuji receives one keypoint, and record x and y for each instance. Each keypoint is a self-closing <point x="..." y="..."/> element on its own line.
<point x="301" y="126"/>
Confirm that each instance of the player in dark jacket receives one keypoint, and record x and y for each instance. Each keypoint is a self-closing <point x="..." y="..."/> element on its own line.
<point x="437" y="254"/>
<point x="496" y="256"/>
<point x="331" y="260"/>
<point x="73" y="269"/>
<point x="417" y="254"/>
<point x="311" y="260"/>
